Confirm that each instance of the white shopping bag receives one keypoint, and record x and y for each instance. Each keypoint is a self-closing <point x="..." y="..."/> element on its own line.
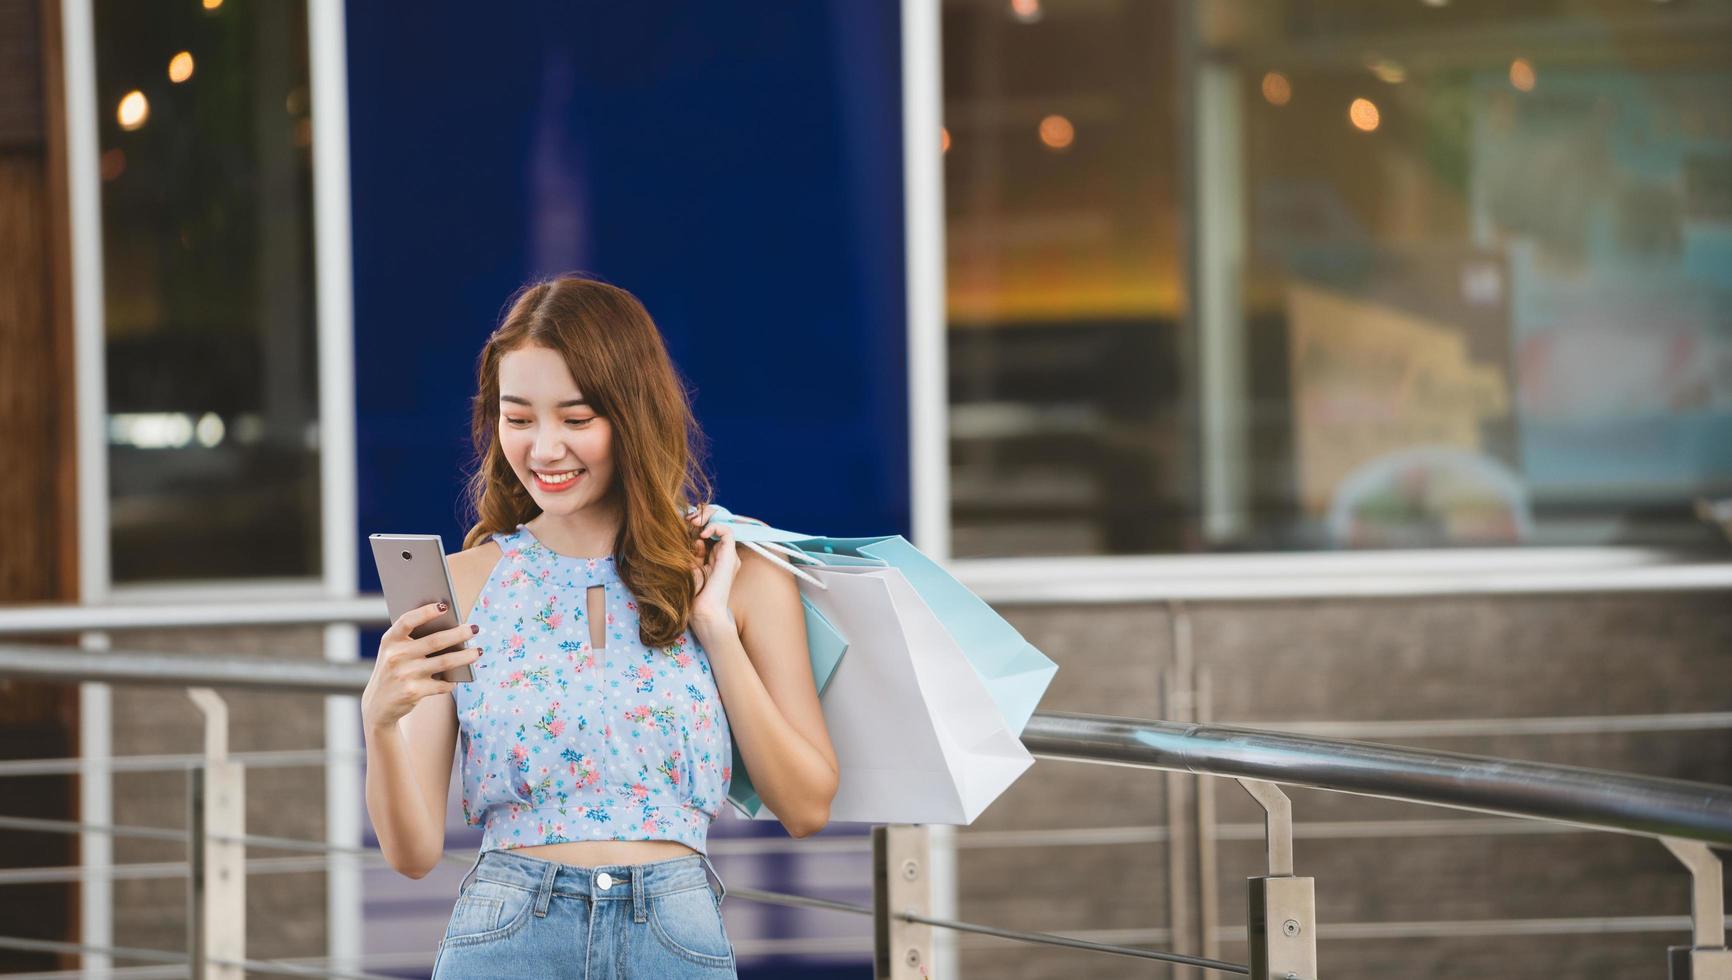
<point x="918" y="737"/>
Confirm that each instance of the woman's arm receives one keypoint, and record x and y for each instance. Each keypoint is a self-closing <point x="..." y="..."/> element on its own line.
<point x="409" y="761"/>
<point x="764" y="673"/>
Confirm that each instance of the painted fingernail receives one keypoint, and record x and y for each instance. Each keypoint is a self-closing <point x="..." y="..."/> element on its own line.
<point x="473" y="628"/>
<point x="442" y="606"/>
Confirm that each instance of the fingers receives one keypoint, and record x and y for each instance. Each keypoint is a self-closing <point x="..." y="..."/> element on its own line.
<point x="721" y="538"/>
<point x="714" y="532"/>
<point x="442" y="640"/>
<point x="407" y="622"/>
<point x="721" y="534"/>
<point x="456" y="658"/>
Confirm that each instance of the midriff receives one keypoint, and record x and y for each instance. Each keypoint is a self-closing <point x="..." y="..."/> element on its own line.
<point x="595" y="853"/>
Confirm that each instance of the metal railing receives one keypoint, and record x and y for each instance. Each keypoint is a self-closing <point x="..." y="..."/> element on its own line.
<point x="1688" y="818"/>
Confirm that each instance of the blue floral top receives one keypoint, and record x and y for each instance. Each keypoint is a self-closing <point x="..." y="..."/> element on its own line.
<point x="565" y="741"/>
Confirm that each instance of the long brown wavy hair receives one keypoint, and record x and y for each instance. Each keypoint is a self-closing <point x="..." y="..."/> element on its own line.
<point x="620" y="363"/>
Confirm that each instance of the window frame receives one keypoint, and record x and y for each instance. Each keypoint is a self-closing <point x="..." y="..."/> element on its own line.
<point x="338" y="576"/>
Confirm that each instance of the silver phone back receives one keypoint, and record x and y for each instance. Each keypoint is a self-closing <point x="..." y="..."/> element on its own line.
<point x="412" y="573"/>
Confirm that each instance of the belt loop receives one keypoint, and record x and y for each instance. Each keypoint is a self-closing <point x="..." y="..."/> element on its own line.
<point x="638" y="910"/>
<point x="721" y="887"/>
<point x="545" y="896"/>
<point x="470" y="874"/>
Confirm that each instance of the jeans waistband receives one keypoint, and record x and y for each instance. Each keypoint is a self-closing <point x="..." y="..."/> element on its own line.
<point x="601" y="882"/>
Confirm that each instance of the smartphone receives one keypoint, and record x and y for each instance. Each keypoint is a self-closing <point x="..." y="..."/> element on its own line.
<point x="412" y="573"/>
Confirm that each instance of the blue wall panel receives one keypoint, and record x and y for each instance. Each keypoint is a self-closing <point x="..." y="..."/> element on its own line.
<point x="738" y="167"/>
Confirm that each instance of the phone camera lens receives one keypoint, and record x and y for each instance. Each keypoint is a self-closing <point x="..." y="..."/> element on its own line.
<point x="405" y="556"/>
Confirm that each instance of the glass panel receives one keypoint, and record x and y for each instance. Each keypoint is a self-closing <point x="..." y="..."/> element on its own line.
<point x="1462" y="276"/>
<point x="206" y="213"/>
<point x="1067" y="402"/>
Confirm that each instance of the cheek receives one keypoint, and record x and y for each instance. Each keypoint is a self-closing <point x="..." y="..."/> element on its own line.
<point x="598" y="447"/>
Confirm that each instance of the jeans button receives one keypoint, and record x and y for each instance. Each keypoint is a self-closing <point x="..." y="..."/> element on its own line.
<point x="604" y="881"/>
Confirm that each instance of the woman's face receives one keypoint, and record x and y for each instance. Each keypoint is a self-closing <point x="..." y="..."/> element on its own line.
<point x="556" y="444"/>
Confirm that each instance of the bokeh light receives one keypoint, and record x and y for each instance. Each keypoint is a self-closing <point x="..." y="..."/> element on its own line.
<point x="1389" y="72"/>
<point x="944" y="139"/>
<point x="180" y="67"/>
<point x="1277" y="90"/>
<point x="134" y="110"/>
<point x="1057" y="132"/>
<point x="113" y="163"/>
<point x="1027" y="11"/>
<point x="1521" y="74"/>
<point x="1364" y="115"/>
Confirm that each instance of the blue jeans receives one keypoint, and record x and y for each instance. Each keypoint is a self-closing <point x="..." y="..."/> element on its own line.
<point x="519" y="916"/>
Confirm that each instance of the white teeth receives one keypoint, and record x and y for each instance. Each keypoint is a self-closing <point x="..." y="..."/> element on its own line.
<point x="557" y="477"/>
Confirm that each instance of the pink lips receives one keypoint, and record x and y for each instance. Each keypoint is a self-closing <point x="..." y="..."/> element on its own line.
<point x="557" y="487"/>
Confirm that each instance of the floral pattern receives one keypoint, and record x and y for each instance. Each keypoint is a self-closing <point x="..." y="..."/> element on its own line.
<point x="562" y="740"/>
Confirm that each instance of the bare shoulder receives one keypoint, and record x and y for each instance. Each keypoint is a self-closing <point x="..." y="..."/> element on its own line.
<point x="762" y="589"/>
<point x="470" y="570"/>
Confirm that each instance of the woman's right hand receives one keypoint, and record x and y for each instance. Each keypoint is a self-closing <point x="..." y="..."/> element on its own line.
<point x="403" y="671"/>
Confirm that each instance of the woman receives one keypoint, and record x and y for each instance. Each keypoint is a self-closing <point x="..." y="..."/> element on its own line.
<point x="611" y="630"/>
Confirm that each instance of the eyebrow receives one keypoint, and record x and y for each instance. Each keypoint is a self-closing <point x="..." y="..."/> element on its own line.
<point x="570" y="403"/>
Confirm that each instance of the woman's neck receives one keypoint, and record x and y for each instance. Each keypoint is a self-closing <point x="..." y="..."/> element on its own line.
<point x="590" y="532"/>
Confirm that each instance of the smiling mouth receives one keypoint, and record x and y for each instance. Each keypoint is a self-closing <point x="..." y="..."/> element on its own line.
<point x="557" y="481"/>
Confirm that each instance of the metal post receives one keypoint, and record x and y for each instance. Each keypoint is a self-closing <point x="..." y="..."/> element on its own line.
<point x="901" y="883"/>
<point x="217" y="892"/>
<point x="1179" y="705"/>
<point x="1706" y="958"/>
<point x="1281" y="928"/>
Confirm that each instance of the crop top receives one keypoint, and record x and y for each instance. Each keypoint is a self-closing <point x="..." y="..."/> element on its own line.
<point x="563" y="741"/>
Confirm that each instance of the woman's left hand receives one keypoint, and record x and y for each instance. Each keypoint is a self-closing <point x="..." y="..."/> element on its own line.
<point x="714" y="574"/>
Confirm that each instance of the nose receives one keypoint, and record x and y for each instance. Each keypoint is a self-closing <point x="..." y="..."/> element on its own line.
<point x="547" y="449"/>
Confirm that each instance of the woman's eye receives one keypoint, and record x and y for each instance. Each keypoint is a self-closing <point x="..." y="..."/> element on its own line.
<point x="576" y="422"/>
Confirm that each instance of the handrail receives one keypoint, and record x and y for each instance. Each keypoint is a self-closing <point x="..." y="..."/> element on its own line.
<point x="64" y="618"/>
<point x="41" y="662"/>
<point x="1600" y="799"/>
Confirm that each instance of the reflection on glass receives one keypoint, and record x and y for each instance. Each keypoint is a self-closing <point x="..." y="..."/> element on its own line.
<point x="1414" y="275"/>
<point x="212" y="399"/>
<point x="1064" y="281"/>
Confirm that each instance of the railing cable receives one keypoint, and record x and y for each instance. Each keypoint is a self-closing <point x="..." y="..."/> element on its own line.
<point x="1017" y="935"/>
